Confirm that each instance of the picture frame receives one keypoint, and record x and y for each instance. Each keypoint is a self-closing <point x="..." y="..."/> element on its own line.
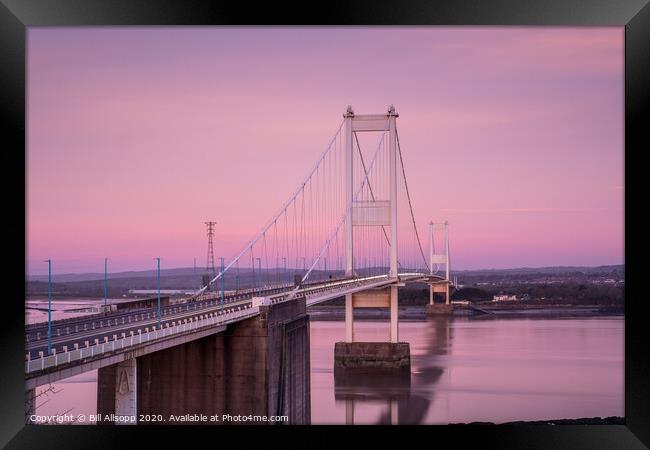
<point x="16" y="16"/>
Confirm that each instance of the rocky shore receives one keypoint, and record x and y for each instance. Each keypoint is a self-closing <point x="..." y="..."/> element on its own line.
<point x="613" y="420"/>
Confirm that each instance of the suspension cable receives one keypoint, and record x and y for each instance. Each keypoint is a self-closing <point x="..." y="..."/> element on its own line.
<point x="346" y="214"/>
<point x="275" y="217"/>
<point x="372" y="195"/>
<point x="408" y="196"/>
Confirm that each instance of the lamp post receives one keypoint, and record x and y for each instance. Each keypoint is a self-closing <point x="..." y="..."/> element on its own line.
<point x="105" y="281"/>
<point x="284" y="259"/>
<point x="253" y="266"/>
<point x="49" y="306"/>
<point x="259" y="270"/>
<point x="159" y="312"/>
<point x="223" y="282"/>
<point x="237" y="275"/>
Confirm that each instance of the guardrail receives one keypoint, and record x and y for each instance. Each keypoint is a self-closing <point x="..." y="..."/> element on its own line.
<point x="242" y="292"/>
<point x="309" y="292"/>
<point x="367" y="282"/>
<point x="331" y="286"/>
<point x="126" y="318"/>
<point x="204" y="320"/>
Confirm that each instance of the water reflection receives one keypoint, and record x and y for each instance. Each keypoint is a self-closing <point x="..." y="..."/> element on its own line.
<point x="403" y="405"/>
<point x="392" y="387"/>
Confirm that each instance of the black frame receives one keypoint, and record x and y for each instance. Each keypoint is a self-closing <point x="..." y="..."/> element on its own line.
<point x="16" y="15"/>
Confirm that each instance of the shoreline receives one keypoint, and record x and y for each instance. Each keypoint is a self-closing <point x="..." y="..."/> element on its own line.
<point x="406" y="313"/>
<point x="611" y="420"/>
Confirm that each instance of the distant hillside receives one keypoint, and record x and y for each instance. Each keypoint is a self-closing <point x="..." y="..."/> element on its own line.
<point x="588" y="270"/>
<point x="189" y="272"/>
<point x="71" y="277"/>
<point x="92" y="284"/>
<point x="119" y="284"/>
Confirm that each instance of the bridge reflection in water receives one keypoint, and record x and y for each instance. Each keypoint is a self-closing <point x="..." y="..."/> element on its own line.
<point x="397" y="389"/>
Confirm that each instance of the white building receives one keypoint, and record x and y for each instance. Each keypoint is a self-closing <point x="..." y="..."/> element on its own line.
<point x="503" y="298"/>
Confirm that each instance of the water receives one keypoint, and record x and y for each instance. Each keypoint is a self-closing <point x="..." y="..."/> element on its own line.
<point x="470" y="370"/>
<point x="462" y="370"/>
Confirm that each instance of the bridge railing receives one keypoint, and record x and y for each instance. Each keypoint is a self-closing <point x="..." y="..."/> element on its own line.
<point x="329" y="286"/>
<point x="366" y="282"/>
<point x="343" y="286"/>
<point x="109" y="346"/>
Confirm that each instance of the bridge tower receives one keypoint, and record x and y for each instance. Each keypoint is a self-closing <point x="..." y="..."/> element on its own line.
<point x="378" y="212"/>
<point x="436" y="284"/>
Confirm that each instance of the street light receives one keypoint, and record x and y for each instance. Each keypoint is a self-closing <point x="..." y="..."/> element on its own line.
<point x="237" y="275"/>
<point x="105" y="282"/>
<point x="159" y="313"/>
<point x="49" y="306"/>
<point x="253" y="266"/>
<point x="259" y="270"/>
<point x="285" y="267"/>
<point x="223" y="280"/>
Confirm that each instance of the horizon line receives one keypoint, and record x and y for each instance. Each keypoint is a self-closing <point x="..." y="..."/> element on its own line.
<point x="333" y="270"/>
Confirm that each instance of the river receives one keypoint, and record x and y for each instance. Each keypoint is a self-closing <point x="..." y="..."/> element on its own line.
<point x="463" y="370"/>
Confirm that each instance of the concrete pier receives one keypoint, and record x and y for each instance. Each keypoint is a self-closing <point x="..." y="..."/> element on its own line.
<point x="365" y="355"/>
<point x="439" y="309"/>
<point x="442" y="287"/>
<point x="259" y="366"/>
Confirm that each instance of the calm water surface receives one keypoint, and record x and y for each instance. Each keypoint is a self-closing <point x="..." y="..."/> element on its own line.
<point x="470" y="370"/>
<point x="462" y="370"/>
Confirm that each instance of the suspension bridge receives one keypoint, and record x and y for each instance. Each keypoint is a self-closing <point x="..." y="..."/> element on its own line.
<point x="241" y="342"/>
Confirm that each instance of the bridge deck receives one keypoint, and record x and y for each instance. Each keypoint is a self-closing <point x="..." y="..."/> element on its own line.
<point x="105" y="335"/>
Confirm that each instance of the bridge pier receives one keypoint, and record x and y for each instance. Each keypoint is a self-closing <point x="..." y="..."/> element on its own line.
<point x="436" y="309"/>
<point x="258" y="366"/>
<point x="394" y="330"/>
<point x="117" y="393"/>
<point x="126" y="398"/>
<point x="349" y="319"/>
<point x="362" y="355"/>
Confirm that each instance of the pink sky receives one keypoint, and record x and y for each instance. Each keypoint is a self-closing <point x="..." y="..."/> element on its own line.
<point x="136" y="136"/>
